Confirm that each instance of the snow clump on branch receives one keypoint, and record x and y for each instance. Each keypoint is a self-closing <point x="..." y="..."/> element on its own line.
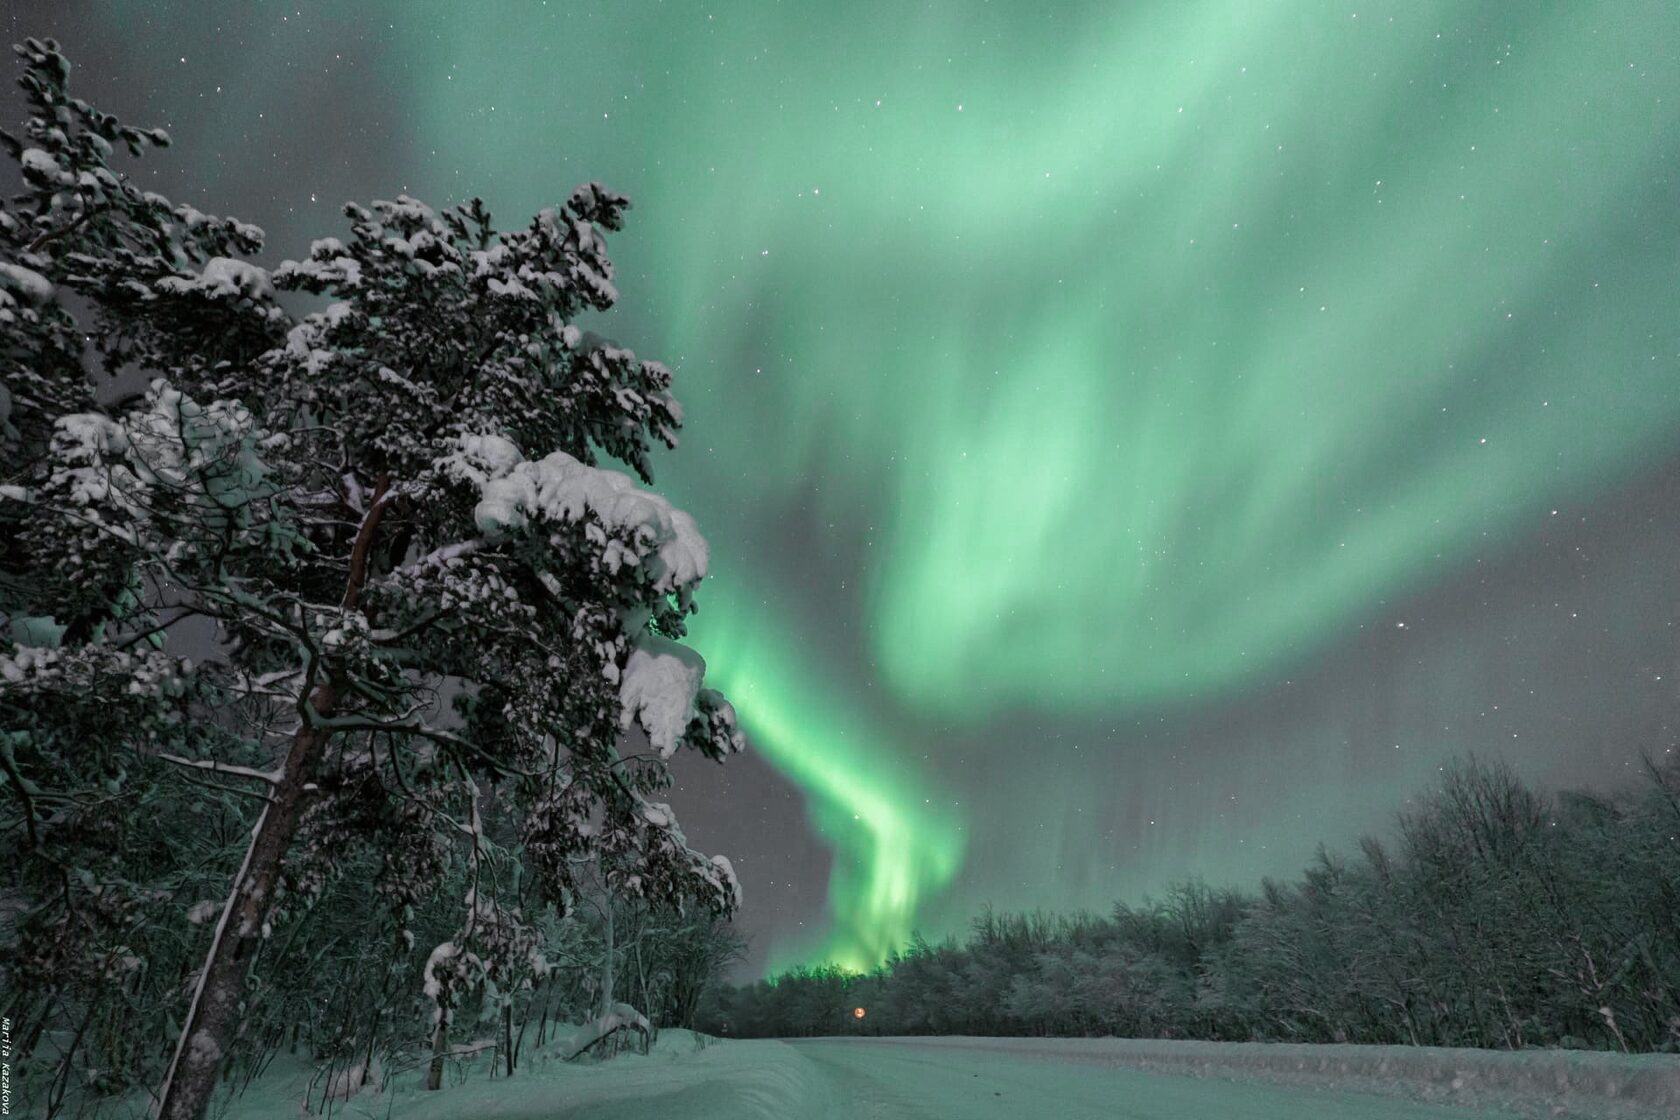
<point x="514" y="491"/>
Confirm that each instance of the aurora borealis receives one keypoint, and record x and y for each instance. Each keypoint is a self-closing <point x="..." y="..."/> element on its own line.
<point x="1135" y="439"/>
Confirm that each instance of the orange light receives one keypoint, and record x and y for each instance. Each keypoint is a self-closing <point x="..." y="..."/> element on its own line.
<point x="857" y="1012"/>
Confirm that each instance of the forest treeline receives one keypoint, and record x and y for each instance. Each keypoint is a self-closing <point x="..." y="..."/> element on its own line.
<point x="1498" y="916"/>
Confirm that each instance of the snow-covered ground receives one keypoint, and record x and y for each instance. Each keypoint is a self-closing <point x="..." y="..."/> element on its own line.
<point x="1156" y="1080"/>
<point x="1007" y="1079"/>
<point x="684" y="1076"/>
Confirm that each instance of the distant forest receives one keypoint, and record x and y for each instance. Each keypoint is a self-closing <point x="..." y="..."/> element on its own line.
<point x="1499" y="916"/>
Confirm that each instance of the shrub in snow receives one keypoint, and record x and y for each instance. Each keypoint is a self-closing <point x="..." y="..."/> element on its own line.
<point x="619" y="1017"/>
<point x="347" y="1083"/>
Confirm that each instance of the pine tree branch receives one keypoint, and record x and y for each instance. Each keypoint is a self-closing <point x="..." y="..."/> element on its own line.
<point x="272" y="777"/>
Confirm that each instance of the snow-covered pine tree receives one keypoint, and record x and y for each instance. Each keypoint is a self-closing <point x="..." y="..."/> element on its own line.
<point x="425" y="588"/>
<point x="91" y="705"/>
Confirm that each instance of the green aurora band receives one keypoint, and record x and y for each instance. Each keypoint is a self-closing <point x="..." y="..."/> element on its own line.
<point x="1110" y="357"/>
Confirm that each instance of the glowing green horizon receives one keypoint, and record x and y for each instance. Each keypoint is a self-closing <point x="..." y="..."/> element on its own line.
<point x="1071" y="362"/>
<point x="893" y="845"/>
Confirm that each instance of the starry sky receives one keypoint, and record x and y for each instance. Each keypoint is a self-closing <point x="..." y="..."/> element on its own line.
<point x="1136" y="439"/>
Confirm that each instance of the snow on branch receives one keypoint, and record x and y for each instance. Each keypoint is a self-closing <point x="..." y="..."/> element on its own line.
<point x="514" y="491"/>
<point x="272" y="777"/>
<point x="661" y="681"/>
<point x="621" y="1017"/>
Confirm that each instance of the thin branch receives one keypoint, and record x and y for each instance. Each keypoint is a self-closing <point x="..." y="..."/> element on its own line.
<point x="445" y="554"/>
<point x="23" y="787"/>
<point x="272" y="777"/>
<point x="54" y="234"/>
<point x="413" y="726"/>
<point x="256" y="794"/>
<point x="182" y="613"/>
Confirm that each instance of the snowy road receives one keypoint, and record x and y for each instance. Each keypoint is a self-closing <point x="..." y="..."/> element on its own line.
<point x="692" y="1077"/>
<point x="903" y="1079"/>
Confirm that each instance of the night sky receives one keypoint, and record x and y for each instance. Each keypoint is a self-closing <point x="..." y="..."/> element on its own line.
<point x="1136" y="439"/>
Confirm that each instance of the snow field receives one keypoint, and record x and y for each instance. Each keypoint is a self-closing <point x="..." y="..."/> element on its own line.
<point x="685" y="1077"/>
<point x="1589" y="1085"/>
<point x="690" y="1077"/>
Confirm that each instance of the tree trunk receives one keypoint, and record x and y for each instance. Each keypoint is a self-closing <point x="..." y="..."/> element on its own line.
<point x="507" y="1035"/>
<point x="542" y="1020"/>
<point x="525" y="1020"/>
<point x="440" y="1047"/>
<point x="213" y="1019"/>
<point x="607" y="966"/>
